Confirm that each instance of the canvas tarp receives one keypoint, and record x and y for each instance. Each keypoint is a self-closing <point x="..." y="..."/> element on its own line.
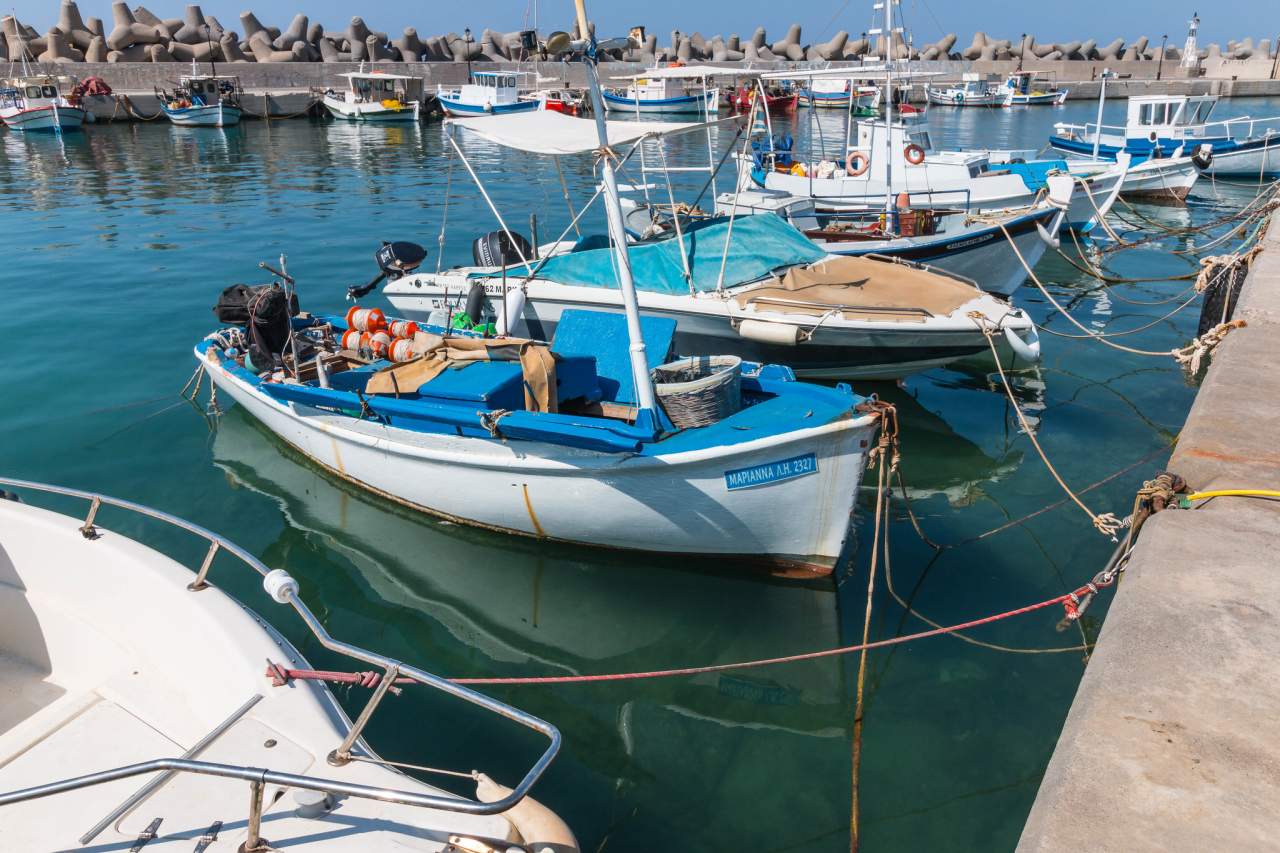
<point x="864" y="286"/>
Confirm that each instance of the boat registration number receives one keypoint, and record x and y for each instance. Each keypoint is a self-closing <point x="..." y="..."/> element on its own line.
<point x="771" y="472"/>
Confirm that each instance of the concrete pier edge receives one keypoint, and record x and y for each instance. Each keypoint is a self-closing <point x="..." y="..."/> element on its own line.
<point x="1173" y="740"/>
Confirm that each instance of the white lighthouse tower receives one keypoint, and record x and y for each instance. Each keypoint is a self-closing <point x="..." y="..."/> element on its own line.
<point x="1191" y="53"/>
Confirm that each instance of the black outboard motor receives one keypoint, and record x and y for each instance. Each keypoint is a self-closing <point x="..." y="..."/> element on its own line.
<point x="496" y="249"/>
<point x="1203" y="157"/>
<point x="394" y="260"/>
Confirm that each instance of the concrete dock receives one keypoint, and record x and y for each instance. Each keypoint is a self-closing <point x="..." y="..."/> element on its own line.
<point x="1173" y="741"/>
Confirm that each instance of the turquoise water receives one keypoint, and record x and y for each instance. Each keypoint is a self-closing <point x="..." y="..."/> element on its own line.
<point x="116" y="244"/>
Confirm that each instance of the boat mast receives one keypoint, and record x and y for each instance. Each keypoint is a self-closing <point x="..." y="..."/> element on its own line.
<point x="1102" y="99"/>
<point x="613" y="208"/>
<point x="889" y="207"/>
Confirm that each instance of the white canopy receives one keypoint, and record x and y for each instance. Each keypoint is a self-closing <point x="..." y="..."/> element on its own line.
<point x="550" y="132"/>
<point x="690" y="72"/>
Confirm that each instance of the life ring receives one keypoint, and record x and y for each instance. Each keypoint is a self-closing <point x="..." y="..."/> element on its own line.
<point x="914" y="154"/>
<point x="958" y="98"/>
<point x="863" y="161"/>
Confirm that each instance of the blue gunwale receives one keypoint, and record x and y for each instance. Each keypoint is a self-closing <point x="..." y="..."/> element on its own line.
<point x="655" y="102"/>
<point x="774" y="404"/>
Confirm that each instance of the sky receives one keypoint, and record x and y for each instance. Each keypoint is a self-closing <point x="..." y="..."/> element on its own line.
<point x="1103" y="20"/>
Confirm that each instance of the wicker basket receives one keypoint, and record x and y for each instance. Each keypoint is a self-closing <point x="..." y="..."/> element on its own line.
<point x="700" y="390"/>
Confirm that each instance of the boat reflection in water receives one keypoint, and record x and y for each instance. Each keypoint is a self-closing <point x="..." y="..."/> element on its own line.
<point x="477" y="603"/>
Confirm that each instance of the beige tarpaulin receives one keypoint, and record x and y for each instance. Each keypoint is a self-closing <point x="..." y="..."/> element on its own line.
<point x="436" y="354"/>
<point x="868" y="283"/>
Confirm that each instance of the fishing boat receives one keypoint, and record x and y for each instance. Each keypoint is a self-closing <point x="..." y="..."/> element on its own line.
<point x="681" y="89"/>
<point x="1158" y="125"/>
<point x="883" y="161"/>
<point x="562" y="100"/>
<point x="487" y="93"/>
<point x="203" y="100"/>
<point x="36" y="102"/>
<point x="972" y="246"/>
<point x="596" y="438"/>
<point x="752" y="286"/>
<point x="832" y="93"/>
<point x="146" y="707"/>
<point x="974" y="90"/>
<point x="376" y="96"/>
<point x="778" y="101"/>
<point x="1022" y="88"/>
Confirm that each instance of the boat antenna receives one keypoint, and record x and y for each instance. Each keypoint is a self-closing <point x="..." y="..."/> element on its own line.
<point x="889" y="207"/>
<point x="208" y="38"/>
<point x="613" y="209"/>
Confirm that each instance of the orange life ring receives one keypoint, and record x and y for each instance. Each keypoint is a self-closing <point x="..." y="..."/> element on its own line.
<point x="914" y="154"/>
<point x="863" y="161"/>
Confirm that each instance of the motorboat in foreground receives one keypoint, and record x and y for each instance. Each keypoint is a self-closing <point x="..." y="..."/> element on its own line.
<point x="146" y="707"/>
<point x="376" y="97"/>
<point x="38" y="103"/>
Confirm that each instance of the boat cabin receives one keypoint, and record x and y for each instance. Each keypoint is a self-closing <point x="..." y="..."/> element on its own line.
<point x="974" y="84"/>
<point x="375" y="87"/>
<point x="492" y="87"/>
<point x="1152" y="117"/>
<point x="203" y="90"/>
<point x="664" y="88"/>
<point x="39" y="90"/>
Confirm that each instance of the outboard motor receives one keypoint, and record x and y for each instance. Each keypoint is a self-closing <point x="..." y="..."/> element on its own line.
<point x="497" y="249"/>
<point x="394" y="260"/>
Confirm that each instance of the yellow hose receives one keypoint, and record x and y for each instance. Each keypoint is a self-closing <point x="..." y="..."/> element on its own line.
<point x="1226" y="493"/>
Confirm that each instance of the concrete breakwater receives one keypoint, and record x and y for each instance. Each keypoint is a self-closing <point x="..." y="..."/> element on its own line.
<point x="139" y="35"/>
<point x="1173" y="741"/>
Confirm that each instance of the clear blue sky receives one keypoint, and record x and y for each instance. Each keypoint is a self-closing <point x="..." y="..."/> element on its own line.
<point x="1101" y="19"/>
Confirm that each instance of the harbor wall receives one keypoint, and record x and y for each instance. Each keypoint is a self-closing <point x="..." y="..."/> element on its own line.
<point x="1173" y="740"/>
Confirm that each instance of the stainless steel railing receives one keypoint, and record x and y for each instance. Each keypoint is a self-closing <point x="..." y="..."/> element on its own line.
<point x="284" y="590"/>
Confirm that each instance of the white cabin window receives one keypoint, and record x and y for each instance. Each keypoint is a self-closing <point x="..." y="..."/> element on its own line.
<point x="33" y="91"/>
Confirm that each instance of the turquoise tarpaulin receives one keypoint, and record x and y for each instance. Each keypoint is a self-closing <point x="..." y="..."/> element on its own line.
<point x="760" y="244"/>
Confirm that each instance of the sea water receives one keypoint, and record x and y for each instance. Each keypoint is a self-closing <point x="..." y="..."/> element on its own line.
<point x="116" y="243"/>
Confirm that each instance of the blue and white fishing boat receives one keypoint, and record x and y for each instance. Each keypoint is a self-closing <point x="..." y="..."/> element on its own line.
<point x="488" y="93"/>
<point x="680" y="89"/>
<point x="974" y="90"/>
<point x="203" y="100"/>
<point x="1158" y="125"/>
<point x="376" y="97"/>
<point x="40" y="103"/>
<point x="1025" y="88"/>
<point x="575" y="440"/>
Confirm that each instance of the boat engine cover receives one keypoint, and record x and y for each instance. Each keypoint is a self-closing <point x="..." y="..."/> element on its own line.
<point x="399" y="258"/>
<point x="497" y="249"/>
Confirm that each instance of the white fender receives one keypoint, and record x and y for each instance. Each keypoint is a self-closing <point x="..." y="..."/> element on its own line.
<point x="1028" y="350"/>
<point x="782" y="334"/>
<point x="541" y="829"/>
<point x="1061" y="188"/>
<point x="510" y="311"/>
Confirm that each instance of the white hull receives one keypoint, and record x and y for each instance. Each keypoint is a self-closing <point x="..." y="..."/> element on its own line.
<point x="107" y="659"/>
<point x="47" y="119"/>
<point x="1250" y="163"/>
<point x="219" y="115"/>
<point x="710" y="101"/>
<point x="673" y="503"/>
<point x="371" y="112"/>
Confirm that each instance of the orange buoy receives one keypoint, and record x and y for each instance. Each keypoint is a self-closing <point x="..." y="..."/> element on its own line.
<point x="401" y="350"/>
<point x="354" y="339"/>
<point x="903" y="201"/>
<point x="403" y="329"/>
<point x="380" y="341"/>
<point x="366" y="319"/>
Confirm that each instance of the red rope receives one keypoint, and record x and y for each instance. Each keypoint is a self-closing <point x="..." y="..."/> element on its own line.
<point x="844" y="650"/>
<point x="281" y="675"/>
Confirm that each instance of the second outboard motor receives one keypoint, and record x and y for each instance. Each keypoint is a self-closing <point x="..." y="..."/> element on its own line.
<point x="399" y="258"/>
<point x="496" y="249"/>
<point x="1203" y="157"/>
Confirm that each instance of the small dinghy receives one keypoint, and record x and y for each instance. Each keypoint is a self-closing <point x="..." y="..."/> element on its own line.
<point x="144" y="708"/>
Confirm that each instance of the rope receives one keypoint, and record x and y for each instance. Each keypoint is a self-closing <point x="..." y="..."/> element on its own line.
<point x="1192" y="355"/>
<point x="1141" y="328"/>
<point x="133" y="112"/>
<point x="1106" y="523"/>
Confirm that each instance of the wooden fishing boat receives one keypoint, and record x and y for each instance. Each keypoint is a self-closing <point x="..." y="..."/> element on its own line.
<point x="376" y="97"/>
<point x="40" y="102"/>
<point x="678" y="89"/>
<point x="145" y="707"/>
<point x="487" y="93"/>
<point x="974" y="90"/>
<point x="1026" y="88"/>
<point x="203" y="100"/>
